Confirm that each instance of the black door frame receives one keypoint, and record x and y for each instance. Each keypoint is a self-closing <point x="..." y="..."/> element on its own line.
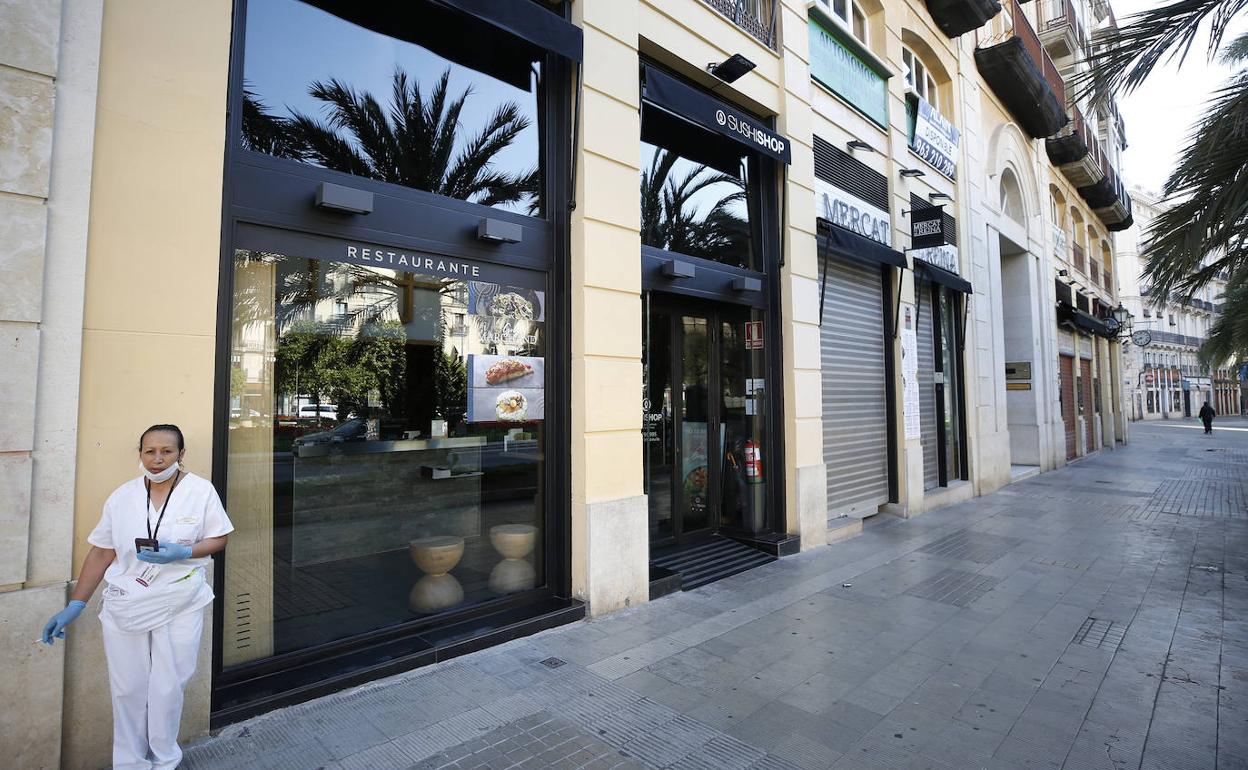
<point x="674" y="307"/>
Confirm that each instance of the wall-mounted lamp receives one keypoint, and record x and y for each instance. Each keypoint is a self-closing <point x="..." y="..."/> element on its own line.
<point x="731" y="69"/>
<point x="497" y="231"/>
<point x="938" y="196"/>
<point x="913" y="172"/>
<point x="1063" y="272"/>
<point x="858" y="144"/>
<point x="346" y="200"/>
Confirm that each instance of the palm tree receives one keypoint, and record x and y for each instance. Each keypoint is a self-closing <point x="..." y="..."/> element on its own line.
<point x="412" y="142"/>
<point x="669" y="219"/>
<point x="1209" y="186"/>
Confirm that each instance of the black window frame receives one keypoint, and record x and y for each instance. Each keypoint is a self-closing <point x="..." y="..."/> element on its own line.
<point x="260" y="190"/>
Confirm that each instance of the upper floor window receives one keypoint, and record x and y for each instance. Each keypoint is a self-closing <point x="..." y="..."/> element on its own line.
<point x="919" y="78"/>
<point x="852" y="16"/>
<point x="413" y="94"/>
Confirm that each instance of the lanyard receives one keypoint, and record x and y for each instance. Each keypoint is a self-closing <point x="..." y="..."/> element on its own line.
<point x="148" y="483"/>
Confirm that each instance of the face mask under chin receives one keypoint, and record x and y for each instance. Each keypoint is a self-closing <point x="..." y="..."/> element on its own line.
<point x="163" y="475"/>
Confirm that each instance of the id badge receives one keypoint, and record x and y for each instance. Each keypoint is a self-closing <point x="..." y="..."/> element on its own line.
<point x="148" y="575"/>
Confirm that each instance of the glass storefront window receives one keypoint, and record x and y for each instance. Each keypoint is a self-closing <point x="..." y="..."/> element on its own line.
<point x="386" y="446"/>
<point x="695" y="209"/>
<point x="414" y="94"/>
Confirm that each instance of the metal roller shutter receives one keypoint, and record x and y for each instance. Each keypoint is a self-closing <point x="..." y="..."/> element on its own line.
<point x="928" y="435"/>
<point x="1089" y="427"/>
<point x="855" y="402"/>
<point x="1066" y="369"/>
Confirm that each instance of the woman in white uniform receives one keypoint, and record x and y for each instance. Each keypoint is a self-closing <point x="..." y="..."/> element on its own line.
<point x="152" y="548"/>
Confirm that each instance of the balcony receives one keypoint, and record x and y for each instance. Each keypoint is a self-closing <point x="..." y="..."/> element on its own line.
<point x="1021" y="74"/>
<point x="1080" y="261"/>
<point x="756" y="17"/>
<point x="957" y="17"/>
<point x="1095" y="272"/>
<point x="1076" y="152"/>
<point x="1061" y="32"/>
<point x="1116" y="216"/>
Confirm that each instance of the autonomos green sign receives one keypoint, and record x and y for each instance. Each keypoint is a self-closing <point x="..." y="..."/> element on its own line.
<point x="834" y="65"/>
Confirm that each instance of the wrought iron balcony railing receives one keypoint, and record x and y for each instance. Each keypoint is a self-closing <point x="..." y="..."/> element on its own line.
<point x="757" y="17"/>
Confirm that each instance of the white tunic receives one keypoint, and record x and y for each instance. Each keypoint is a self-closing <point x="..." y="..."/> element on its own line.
<point x="194" y="513"/>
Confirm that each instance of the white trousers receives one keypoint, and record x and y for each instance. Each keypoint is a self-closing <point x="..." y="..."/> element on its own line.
<point x="147" y="674"/>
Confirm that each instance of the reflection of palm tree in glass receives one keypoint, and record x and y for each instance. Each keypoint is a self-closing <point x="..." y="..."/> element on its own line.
<point x="671" y="219"/>
<point x="412" y="142"/>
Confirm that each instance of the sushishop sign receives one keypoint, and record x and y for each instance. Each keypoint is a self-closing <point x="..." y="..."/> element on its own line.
<point x="852" y="213"/>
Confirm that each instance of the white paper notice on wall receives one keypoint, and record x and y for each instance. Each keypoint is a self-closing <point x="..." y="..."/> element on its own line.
<point x="910" y="371"/>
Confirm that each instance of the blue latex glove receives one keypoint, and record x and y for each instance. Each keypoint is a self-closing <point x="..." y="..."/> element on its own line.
<point x="55" y="629"/>
<point x="167" y="552"/>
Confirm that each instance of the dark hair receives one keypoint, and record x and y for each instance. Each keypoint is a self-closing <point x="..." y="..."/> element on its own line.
<point x="161" y="428"/>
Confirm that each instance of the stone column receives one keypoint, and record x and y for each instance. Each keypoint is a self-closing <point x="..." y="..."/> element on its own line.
<point x="610" y="535"/>
<point x="49" y="54"/>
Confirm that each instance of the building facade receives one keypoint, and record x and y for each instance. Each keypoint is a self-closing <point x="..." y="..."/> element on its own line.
<point x="484" y="318"/>
<point x="1166" y="379"/>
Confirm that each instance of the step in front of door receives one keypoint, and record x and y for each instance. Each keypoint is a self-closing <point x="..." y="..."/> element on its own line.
<point x="708" y="561"/>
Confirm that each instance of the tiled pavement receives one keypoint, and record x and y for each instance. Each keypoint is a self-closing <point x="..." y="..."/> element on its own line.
<point x="1090" y="618"/>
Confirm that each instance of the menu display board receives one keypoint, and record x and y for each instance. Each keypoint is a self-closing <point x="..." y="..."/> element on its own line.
<point x="505" y="388"/>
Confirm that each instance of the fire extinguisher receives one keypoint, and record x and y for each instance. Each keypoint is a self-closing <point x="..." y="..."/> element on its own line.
<point x="753" y="462"/>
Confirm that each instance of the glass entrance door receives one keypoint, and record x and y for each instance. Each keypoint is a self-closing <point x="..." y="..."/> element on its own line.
<point x="704" y="407"/>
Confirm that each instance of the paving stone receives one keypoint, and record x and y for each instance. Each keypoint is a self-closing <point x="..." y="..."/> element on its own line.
<point x="1092" y="617"/>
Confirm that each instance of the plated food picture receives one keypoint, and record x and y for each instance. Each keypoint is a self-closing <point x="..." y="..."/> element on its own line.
<point x="506" y="370"/>
<point x="511" y="305"/>
<point x="511" y="406"/>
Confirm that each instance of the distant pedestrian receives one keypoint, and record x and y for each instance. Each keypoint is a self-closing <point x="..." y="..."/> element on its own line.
<point x="1206" y="416"/>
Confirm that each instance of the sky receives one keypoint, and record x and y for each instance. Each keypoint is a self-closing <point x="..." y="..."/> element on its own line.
<point x="1159" y="115"/>
<point x="291" y="44"/>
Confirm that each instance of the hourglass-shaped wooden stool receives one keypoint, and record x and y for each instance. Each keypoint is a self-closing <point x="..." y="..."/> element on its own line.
<point x="514" y="542"/>
<point x="436" y="557"/>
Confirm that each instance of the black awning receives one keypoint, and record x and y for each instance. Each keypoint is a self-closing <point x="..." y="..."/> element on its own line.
<point x="527" y="20"/>
<point x="835" y="240"/>
<point x="1019" y="83"/>
<point x="957" y="17"/>
<point x="1084" y="322"/>
<point x="943" y="277"/>
<point x="665" y="91"/>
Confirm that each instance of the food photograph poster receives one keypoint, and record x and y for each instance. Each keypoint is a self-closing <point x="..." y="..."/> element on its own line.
<point x="505" y="388"/>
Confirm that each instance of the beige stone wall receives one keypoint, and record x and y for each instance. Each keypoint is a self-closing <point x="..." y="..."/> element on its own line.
<point x="148" y="332"/>
<point x="610" y="550"/>
<point x="48" y="71"/>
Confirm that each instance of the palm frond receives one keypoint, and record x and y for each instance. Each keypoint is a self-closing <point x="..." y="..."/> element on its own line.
<point x="1209" y="189"/>
<point x="1125" y="56"/>
<point x="1227" y="339"/>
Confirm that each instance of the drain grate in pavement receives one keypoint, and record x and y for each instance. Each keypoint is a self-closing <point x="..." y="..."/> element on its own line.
<point x="953" y="586"/>
<point x="554" y="662"/>
<point x="1101" y="634"/>
<point x="979" y="547"/>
